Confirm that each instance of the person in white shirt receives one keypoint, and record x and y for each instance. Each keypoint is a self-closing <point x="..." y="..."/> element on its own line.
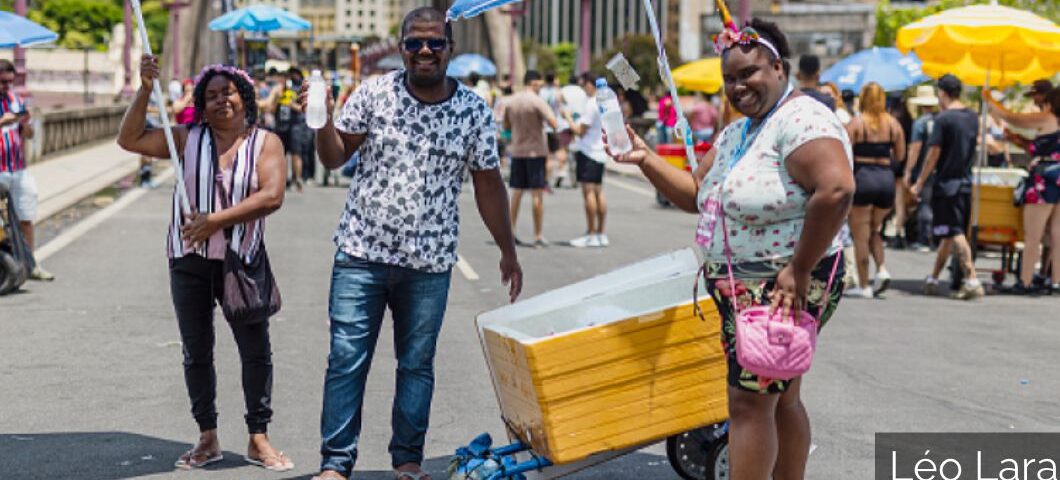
<point x="590" y="157"/>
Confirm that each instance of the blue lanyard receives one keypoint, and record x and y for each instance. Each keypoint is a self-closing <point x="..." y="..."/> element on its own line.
<point x="741" y="148"/>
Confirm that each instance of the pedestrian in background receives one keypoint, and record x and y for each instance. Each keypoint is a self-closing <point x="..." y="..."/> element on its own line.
<point x="417" y="131"/>
<point x="830" y="89"/>
<point x="559" y="138"/>
<point x="667" y="120"/>
<point x="809" y="78"/>
<point x="527" y="115"/>
<point x="15" y="127"/>
<point x="951" y="154"/>
<point x="1041" y="216"/>
<point x="781" y="255"/>
<point x="878" y="144"/>
<point x="300" y="140"/>
<point x="590" y="158"/>
<point x="234" y="173"/>
<point x="926" y="104"/>
<point x="703" y="118"/>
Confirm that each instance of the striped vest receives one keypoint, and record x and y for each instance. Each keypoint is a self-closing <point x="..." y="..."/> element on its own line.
<point x="241" y="181"/>
<point x="11" y="157"/>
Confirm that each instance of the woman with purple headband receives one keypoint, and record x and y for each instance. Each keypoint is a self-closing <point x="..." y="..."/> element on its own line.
<point x="772" y="194"/>
<point x="234" y="174"/>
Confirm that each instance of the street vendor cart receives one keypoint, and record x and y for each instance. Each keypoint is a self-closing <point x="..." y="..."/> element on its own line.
<point x="606" y="366"/>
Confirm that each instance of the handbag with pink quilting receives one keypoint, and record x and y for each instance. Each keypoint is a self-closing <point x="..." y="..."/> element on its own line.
<point x="766" y="344"/>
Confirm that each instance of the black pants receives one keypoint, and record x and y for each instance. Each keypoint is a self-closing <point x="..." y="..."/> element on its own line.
<point x="196" y="286"/>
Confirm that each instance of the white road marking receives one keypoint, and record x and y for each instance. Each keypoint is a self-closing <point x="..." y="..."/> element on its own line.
<point x="633" y="188"/>
<point x="84" y="226"/>
<point x="465" y="268"/>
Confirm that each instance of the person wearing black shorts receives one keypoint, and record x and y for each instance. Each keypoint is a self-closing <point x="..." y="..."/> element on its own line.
<point x="526" y="114"/>
<point x="588" y="170"/>
<point x="951" y="153"/>
<point x="589" y="166"/>
<point x="878" y="142"/>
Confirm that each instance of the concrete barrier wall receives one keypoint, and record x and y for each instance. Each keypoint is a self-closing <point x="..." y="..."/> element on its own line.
<point x="58" y="130"/>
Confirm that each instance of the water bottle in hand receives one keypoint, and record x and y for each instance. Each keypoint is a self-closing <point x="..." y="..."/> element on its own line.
<point x="611" y="118"/>
<point x="316" y="114"/>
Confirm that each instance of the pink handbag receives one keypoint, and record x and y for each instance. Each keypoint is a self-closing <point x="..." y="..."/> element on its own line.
<point x="767" y="345"/>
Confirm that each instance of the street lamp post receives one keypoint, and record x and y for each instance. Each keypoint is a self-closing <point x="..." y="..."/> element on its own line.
<point x="513" y="39"/>
<point x="20" y="57"/>
<point x="584" y="54"/>
<point x="126" y="54"/>
<point x="174" y="7"/>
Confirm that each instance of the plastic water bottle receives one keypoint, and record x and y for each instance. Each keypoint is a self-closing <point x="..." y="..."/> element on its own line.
<point x="316" y="114"/>
<point x="611" y="118"/>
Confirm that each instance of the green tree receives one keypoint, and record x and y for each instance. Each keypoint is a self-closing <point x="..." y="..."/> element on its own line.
<point x="890" y="19"/>
<point x="641" y="52"/>
<point x="566" y="57"/>
<point x="88" y="23"/>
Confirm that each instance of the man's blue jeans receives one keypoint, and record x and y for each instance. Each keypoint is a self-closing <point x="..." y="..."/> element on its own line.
<point x="360" y="292"/>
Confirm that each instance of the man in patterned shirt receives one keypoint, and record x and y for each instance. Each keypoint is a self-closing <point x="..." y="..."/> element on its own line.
<point x="416" y="131"/>
<point x="15" y="127"/>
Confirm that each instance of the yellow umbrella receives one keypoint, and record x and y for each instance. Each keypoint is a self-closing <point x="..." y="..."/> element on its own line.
<point x="701" y="75"/>
<point x="991" y="36"/>
<point x="972" y="74"/>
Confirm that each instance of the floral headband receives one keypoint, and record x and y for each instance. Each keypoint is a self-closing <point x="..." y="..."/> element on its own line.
<point x="730" y="37"/>
<point x="219" y="68"/>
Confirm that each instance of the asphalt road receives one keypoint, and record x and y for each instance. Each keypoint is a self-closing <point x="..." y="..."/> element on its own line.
<point x="91" y="384"/>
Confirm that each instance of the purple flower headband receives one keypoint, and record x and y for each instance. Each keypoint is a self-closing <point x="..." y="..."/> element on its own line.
<point x="219" y="68"/>
<point x="729" y="38"/>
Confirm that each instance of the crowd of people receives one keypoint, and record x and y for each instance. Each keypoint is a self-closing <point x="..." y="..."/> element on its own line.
<point x="795" y="193"/>
<point x="913" y="164"/>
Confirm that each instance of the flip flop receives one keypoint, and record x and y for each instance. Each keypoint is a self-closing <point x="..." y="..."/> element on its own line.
<point x="398" y="475"/>
<point x="190" y="463"/>
<point x="281" y="462"/>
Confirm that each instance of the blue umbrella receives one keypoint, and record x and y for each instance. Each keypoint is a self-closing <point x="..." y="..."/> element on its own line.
<point x="470" y="8"/>
<point x="16" y="31"/>
<point x="468" y="63"/>
<point x="259" y="18"/>
<point x="885" y="66"/>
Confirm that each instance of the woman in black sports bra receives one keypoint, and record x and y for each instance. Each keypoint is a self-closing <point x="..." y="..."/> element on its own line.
<point x="878" y="143"/>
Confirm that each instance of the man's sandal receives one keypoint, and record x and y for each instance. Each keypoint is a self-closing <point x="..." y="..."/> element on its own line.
<point x="272" y="463"/>
<point x="188" y="462"/>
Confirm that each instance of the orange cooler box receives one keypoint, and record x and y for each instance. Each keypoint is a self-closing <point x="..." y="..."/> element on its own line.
<point x="674" y="153"/>
<point x="613" y="362"/>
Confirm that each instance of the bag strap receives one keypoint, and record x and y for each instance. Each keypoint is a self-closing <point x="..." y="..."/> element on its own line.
<point x="218" y="180"/>
<point x="732" y="279"/>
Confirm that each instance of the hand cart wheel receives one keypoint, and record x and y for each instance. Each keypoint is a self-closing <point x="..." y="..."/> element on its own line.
<point x="701" y="454"/>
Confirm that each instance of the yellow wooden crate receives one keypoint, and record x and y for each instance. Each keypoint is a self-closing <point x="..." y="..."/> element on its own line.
<point x="1000" y="221"/>
<point x="588" y="376"/>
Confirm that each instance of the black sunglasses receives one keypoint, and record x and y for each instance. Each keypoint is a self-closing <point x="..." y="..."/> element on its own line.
<point x="413" y="45"/>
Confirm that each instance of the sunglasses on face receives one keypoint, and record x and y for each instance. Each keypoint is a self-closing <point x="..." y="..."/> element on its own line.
<point x="413" y="45"/>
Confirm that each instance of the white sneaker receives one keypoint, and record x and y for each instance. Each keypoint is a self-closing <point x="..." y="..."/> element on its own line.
<point x="582" y="242"/>
<point x="858" y="292"/>
<point x="594" y="241"/>
<point x="602" y="239"/>
<point x="930" y="287"/>
<point x="882" y="282"/>
<point x="970" y="290"/>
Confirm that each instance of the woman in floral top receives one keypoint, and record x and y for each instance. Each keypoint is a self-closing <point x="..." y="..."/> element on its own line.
<point x="781" y="182"/>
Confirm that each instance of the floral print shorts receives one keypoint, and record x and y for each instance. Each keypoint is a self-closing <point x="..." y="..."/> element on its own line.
<point x="754" y="282"/>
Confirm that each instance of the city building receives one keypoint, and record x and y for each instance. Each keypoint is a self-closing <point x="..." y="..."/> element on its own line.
<point x="343" y="20"/>
<point x="829" y="28"/>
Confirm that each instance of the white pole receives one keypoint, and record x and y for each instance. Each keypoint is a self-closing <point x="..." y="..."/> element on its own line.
<point x="982" y="152"/>
<point x="160" y="101"/>
<point x="667" y="78"/>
